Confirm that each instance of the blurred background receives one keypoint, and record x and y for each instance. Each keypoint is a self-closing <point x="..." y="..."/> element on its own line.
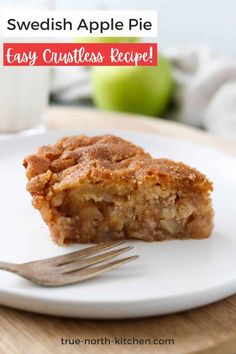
<point x="194" y="82"/>
<point x="180" y="21"/>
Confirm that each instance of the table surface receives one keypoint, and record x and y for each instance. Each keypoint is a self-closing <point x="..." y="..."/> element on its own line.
<point x="207" y="330"/>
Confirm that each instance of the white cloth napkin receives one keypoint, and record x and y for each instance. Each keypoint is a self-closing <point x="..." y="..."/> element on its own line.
<point x="205" y="89"/>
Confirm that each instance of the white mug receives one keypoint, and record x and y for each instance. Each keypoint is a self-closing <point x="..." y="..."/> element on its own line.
<point x="24" y="91"/>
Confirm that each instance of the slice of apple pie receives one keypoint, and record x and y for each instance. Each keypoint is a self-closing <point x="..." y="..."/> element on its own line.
<point x="95" y="189"/>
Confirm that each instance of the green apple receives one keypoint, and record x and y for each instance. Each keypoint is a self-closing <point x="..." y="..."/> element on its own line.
<point x="143" y="89"/>
<point x="106" y="39"/>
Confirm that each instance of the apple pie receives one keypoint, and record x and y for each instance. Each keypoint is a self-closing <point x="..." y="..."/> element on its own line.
<point x="95" y="189"/>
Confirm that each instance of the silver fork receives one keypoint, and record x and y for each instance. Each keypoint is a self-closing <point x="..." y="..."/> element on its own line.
<point x="72" y="267"/>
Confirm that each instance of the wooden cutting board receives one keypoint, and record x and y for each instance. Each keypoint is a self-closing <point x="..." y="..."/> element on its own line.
<point x="207" y="330"/>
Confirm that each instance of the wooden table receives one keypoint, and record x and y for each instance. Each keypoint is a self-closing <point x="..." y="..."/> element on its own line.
<point x="207" y="330"/>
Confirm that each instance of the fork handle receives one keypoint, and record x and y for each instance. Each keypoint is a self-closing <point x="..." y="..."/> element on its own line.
<point x="10" y="267"/>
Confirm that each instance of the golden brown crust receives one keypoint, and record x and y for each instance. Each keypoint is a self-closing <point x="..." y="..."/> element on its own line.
<point x="73" y="160"/>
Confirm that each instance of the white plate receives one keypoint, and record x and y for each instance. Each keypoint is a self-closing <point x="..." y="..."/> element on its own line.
<point x="168" y="277"/>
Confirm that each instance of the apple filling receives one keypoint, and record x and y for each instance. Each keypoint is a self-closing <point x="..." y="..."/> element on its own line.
<point x="92" y="213"/>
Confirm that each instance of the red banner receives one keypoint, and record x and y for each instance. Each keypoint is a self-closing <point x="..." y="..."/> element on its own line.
<point x="78" y="54"/>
